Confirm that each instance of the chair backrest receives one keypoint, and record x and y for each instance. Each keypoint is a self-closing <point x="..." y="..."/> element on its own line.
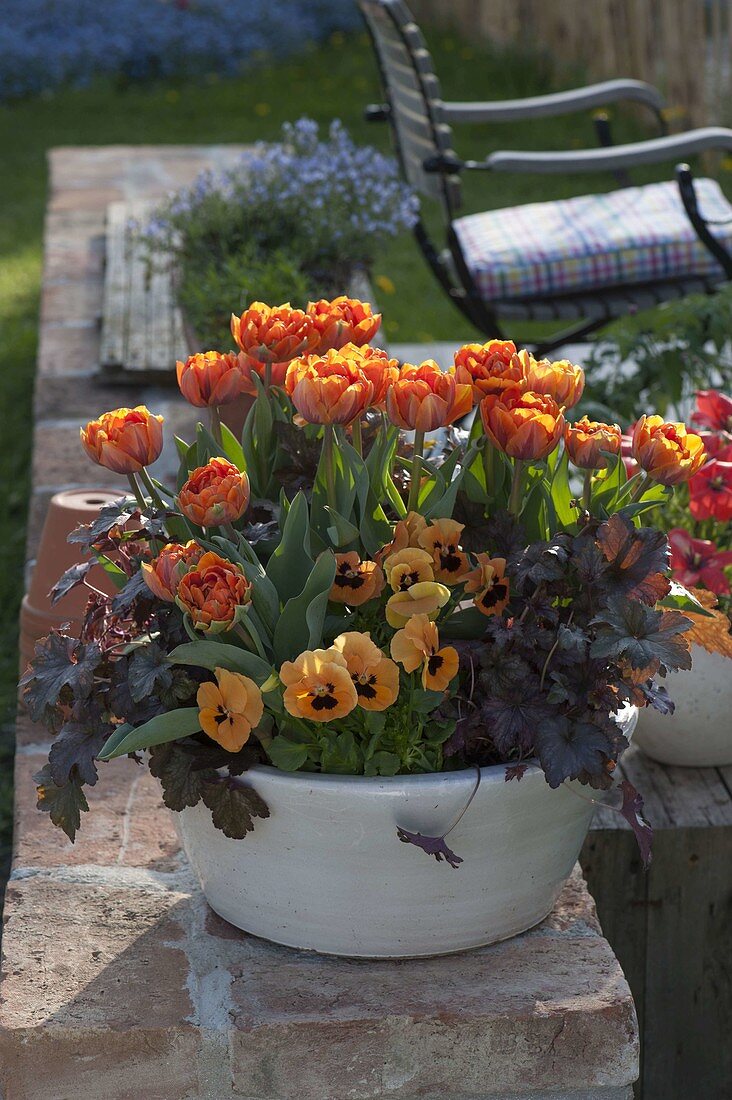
<point x="414" y="98"/>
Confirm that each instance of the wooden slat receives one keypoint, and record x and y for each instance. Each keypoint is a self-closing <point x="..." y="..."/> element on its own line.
<point x="142" y="326"/>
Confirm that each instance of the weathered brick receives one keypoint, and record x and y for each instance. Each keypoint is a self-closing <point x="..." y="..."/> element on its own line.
<point x="67" y="300"/>
<point x="68" y="350"/>
<point x="59" y="457"/>
<point x="127" y="824"/>
<point x="95" y="1001"/>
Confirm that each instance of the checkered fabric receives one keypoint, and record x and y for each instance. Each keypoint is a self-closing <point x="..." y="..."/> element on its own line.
<point x="633" y="235"/>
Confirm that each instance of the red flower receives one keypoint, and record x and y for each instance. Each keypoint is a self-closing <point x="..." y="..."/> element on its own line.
<point x="697" y="562"/>
<point x="710" y="492"/>
<point x="714" y="410"/>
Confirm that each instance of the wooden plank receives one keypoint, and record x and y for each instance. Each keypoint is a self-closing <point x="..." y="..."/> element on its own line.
<point x="689" y="967"/>
<point x="674" y="797"/>
<point x="142" y="325"/>
<point x="116" y="279"/>
<point x="619" y="886"/>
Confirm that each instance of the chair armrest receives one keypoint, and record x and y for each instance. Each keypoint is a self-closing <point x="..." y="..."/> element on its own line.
<point x="559" y="103"/>
<point x="653" y="151"/>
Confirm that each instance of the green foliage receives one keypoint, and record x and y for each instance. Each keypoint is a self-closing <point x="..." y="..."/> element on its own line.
<point x="656" y="360"/>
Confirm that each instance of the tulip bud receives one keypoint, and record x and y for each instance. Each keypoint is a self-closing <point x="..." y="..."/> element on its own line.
<point x="124" y="440"/>
<point x="215" y="494"/>
<point x="666" y="451"/>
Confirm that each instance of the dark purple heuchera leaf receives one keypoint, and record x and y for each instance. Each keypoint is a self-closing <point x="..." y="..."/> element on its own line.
<point x="432" y="845"/>
<point x="513" y="722"/>
<point x="567" y="748"/>
<point x="233" y="806"/>
<point x="637" y="559"/>
<point x="515" y="771"/>
<point x="76" y="747"/>
<point x="135" y="589"/>
<point x="632" y="811"/>
<point x="64" y="804"/>
<point x="644" y="637"/>
<point x="72" y="578"/>
<point x="59" y="662"/>
<point x="111" y="515"/>
<point x="658" y="697"/>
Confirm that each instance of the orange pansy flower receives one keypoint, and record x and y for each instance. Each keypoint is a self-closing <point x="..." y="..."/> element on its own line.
<point x="230" y="708"/>
<point x="423" y="598"/>
<point x="318" y="686"/>
<point x="407" y="567"/>
<point x="418" y="644"/>
<point x="375" y="677"/>
<point x="489" y="583"/>
<point x="356" y="581"/>
<point x="441" y="539"/>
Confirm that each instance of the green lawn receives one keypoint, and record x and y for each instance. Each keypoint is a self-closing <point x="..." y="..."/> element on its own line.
<point x="334" y="79"/>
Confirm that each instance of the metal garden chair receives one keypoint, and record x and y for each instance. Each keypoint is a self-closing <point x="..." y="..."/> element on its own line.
<point x="585" y="260"/>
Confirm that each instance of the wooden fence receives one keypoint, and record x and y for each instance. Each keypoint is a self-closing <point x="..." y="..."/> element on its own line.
<point x="682" y="46"/>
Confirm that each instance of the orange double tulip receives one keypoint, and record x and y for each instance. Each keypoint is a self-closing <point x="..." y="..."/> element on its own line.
<point x="274" y="334"/>
<point x="488" y="368"/>
<point x="163" y="575"/>
<point x="525" y="426"/>
<point x="560" y="379"/>
<point x="210" y="378"/>
<point x="329" y="389"/>
<point x="124" y="440"/>
<point x="212" y="593"/>
<point x="666" y="451"/>
<point x="214" y="494"/>
<point x="343" y="321"/>
<point x="586" y="439"/>
<point x="424" y="398"/>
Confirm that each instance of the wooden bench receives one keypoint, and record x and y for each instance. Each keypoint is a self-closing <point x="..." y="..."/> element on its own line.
<point x="671" y="927"/>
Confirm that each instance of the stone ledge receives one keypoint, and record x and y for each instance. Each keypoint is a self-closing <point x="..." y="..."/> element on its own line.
<point x="139" y="973"/>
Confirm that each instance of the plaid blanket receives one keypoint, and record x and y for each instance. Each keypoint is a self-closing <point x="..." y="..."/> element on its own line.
<point x="633" y="235"/>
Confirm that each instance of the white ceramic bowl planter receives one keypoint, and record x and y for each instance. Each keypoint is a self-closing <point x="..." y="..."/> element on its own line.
<point x="327" y="872"/>
<point x="699" y="732"/>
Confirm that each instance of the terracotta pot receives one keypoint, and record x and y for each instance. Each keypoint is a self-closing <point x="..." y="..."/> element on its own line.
<point x="55" y="554"/>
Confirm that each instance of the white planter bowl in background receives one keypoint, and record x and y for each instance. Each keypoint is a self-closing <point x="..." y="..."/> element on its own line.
<point x="326" y="871"/>
<point x="699" y="732"/>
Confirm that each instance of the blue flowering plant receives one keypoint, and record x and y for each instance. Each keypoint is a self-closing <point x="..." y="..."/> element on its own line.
<point x="292" y="222"/>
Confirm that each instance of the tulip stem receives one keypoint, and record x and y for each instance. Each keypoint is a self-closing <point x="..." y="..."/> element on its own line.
<point x="268" y="376"/>
<point x="641" y="488"/>
<point x="329" y="467"/>
<point x="587" y="490"/>
<point x="514" y="503"/>
<point x="137" y="492"/>
<point x="416" y="477"/>
<point x="216" y="424"/>
<point x="150" y="486"/>
<point x="488" y="464"/>
<point x="250" y="637"/>
<point x="357" y="437"/>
